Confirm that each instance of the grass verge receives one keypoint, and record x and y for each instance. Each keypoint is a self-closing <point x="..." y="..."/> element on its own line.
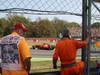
<point x="42" y="65"/>
<point x="45" y="64"/>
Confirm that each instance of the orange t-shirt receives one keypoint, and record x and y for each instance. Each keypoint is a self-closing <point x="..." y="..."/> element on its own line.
<point x="24" y="53"/>
<point x="66" y="50"/>
<point x="98" y="43"/>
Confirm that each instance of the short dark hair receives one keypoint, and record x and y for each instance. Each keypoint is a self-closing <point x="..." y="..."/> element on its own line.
<point x="65" y="33"/>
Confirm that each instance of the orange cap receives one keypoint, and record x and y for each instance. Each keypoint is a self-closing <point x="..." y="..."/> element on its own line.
<point x="20" y="26"/>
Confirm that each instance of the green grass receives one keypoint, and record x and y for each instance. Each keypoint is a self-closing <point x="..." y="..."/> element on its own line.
<point x="45" y="64"/>
<point x="41" y="59"/>
<point x="42" y="65"/>
<point x="37" y="43"/>
<point x="94" y="46"/>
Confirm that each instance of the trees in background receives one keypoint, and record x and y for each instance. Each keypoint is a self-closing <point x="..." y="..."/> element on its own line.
<point x="96" y="25"/>
<point x="73" y="24"/>
<point x="3" y="26"/>
<point x="6" y="24"/>
<point x="42" y="28"/>
<point x="59" y="25"/>
<point x="38" y="28"/>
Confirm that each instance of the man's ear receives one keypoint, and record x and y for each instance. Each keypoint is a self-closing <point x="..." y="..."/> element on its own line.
<point x="60" y="35"/>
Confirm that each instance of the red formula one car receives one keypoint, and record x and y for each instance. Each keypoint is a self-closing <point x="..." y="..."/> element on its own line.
<point x="44" y="46"/>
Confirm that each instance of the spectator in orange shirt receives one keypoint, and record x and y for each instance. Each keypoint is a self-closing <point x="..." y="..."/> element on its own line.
<point x="98" y="43"/>
<point x="15" y="52"/>
<point x="66" y="50"/>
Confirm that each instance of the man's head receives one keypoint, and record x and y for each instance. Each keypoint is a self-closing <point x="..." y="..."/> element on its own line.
<point x="65" y="33"/>
<point x="20" y="28"/>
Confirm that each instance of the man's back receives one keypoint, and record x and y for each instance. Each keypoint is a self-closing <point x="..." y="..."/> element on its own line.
<point x="66" y="50"/>
<point x="15" y="52"/>
<point x="9" y="52"/>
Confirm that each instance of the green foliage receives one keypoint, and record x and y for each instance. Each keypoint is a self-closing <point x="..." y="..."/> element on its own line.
<point x="38" y="28"/>
<point x="96" y="25"/>
<point x="42" y="28"/>
<point x="59" y="25"/>
<point x="73" y="24"/>
<point x="7" y="24"/>
<point x="3" y="26"/>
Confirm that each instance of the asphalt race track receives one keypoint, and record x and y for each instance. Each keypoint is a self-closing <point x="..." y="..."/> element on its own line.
<point x="36" y="53"/>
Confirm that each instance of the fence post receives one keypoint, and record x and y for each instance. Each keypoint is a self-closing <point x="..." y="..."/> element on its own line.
<point x="84" y="27"/>
<point x="86" y="22"/>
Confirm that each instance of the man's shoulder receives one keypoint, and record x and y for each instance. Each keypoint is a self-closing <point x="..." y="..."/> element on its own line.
<point x="10" y="36"/>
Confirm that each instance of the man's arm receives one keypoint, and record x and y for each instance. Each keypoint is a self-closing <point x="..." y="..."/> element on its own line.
<point x="55" y="63"/>
<point x="81" y="44"/>
<point x="25" y="54"/>
<point x="55" y="58"/>
<point x="27" y="62"/>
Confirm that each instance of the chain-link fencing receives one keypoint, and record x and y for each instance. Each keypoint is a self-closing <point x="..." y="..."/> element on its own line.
<point x="49" y="7"/>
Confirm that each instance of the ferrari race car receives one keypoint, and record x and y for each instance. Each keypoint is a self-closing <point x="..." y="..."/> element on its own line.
<point x="44" y="46"/>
